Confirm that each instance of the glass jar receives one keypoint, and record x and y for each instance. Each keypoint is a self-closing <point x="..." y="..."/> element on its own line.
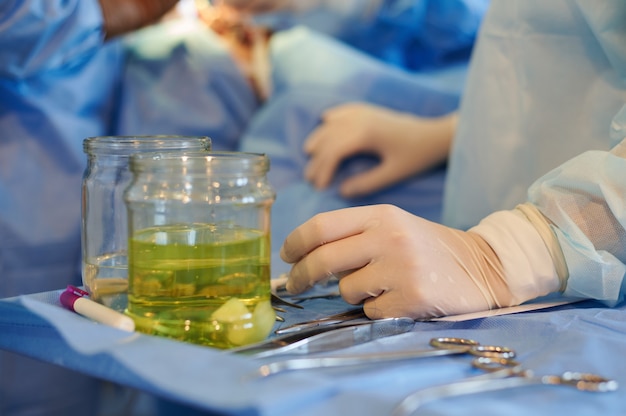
<point x="104" y="222"/>
<point x="199" y="247"/>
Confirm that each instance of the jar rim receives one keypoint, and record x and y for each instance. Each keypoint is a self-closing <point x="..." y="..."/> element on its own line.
<point x="224" y="162"/>
<point x="126" y="145"/>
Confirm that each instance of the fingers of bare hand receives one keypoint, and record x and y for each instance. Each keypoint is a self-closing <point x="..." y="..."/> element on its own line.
<point x="311" y="143"/>
<point x="320" y="172"/>
<point x="369" y="181"/>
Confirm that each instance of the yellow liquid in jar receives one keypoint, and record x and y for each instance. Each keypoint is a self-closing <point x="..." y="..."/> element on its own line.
<point x="201" y="283"/>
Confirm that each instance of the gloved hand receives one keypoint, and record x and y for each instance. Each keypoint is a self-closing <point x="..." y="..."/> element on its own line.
<point x="398" y="264"/>
<point x="123" y="16"/>
<point x="406" y="145"/>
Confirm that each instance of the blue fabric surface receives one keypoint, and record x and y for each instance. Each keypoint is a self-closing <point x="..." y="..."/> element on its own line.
<point x="582" y="337"/>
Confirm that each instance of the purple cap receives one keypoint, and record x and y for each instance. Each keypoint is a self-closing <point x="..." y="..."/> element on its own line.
<point x="70" y="295"/>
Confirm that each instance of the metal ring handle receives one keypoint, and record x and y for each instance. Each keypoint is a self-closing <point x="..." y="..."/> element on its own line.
<point x="491" y="364"/>
<point x="588" y="382"/>
<point x="492" y="351"/>
<point x="453" y="343"/>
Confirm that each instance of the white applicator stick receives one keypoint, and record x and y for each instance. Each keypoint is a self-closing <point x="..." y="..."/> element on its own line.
<point x="75" y="300"/>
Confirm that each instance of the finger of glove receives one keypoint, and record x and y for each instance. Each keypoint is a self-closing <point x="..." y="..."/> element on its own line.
<point x="325" y="228"/>
<point x="327" y="260"/>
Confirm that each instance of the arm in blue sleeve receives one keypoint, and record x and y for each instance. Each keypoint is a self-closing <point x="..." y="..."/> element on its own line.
<point x="585" y="199"/>
<point x="43" y="35"/>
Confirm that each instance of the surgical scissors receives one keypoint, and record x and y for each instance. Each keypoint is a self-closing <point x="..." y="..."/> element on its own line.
<point x="349" y="315"/>
<point x="502" y="373"/>
<point x="442" y="346"/>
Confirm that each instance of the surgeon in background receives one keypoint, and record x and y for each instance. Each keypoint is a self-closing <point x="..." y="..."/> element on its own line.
<point x="59" y="73"/>
<point x="555" y="86"/>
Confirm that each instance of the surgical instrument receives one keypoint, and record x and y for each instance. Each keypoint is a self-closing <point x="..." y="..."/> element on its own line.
<point x="280" y="301"/>
<point x="442" y="347"/>
<point x="348" y="315"/>
<point x="502" y="373"/>
<point x="321" y="339"/>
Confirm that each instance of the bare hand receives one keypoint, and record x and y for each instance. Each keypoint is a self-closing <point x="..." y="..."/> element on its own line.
<point x="406" y="145"/>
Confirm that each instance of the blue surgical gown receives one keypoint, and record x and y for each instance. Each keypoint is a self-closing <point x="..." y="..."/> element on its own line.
<point x="180" y="79"/>
<point x="545" y="81"/>
<point x="411" y="34"/>
<point x="56" y="88"/>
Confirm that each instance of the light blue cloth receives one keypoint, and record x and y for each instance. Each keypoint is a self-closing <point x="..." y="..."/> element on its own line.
<point x="581" y="337"/>
<point x="57" y="82"/>
<point x="545" y="81"/>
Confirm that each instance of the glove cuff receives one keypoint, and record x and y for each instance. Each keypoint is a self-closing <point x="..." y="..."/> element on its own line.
<point x="529" y="269"/>
<point x="541" y="224"/>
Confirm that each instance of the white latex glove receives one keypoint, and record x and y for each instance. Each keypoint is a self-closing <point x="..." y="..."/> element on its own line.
<point x="398" y="264"/>
<point x="404" y="143"/>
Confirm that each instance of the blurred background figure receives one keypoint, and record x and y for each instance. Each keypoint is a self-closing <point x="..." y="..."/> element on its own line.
<point x="60" y="69"/>
<point x="264" y="76"/>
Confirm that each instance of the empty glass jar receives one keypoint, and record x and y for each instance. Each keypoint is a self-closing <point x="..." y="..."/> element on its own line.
<point x="199" y="247"/>
<point x="104" y="220"/>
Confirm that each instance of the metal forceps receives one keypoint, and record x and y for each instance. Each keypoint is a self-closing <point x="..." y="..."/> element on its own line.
<point x="442" y="347"/>
<point x="501" y="373"/>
